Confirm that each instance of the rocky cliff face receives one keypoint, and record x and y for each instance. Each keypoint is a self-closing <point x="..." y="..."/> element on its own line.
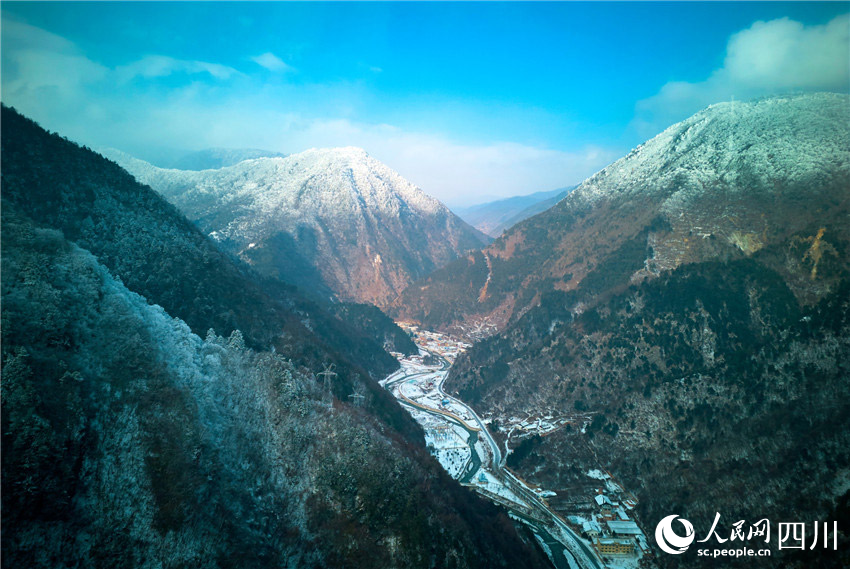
<point x="723" y="184"/>
<point x="335" y="222"/>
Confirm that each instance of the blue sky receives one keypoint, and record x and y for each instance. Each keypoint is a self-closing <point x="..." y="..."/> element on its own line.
<point x="469" y="100"/>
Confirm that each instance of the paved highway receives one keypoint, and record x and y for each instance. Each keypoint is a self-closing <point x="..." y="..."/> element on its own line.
<point x="565" y="544"/>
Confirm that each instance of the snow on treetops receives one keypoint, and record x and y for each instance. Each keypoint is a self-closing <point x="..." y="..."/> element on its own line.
<point x="336" y="182"/>
<point x="741" y="144"/>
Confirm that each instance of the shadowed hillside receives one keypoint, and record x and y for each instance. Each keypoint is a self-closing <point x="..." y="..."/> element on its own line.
<point x="130" y="441"/>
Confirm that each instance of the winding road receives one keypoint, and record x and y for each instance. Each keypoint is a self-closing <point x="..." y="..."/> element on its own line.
<point x="567" y="549"/>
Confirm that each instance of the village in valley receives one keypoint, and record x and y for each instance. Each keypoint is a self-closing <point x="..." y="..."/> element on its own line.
<point x="596" y="512"/>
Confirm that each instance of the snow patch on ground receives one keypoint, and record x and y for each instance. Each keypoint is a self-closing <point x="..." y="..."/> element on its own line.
<point x="484" y="479"/>
<point x="543" y="546"/>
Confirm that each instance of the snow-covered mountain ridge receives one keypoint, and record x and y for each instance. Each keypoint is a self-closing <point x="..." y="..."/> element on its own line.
<point x="336" y="218"/>
<point x="732" y="146"/>
<point x="212" y="158"/>
<point x="727" y="182"/>
<point x="735" y="172"/>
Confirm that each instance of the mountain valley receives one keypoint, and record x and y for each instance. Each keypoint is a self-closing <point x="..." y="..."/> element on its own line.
<point x="680" y="311"/>
<point x="686" y="308"/>
<point x="425" y="285"/>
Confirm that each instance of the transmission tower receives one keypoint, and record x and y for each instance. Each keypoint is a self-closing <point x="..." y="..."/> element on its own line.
<point x="328" y="374"/>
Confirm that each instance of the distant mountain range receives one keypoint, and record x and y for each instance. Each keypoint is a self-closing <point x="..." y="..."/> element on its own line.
<point x="689" y="307"/>
<point x="334" y="222"/>
<point x="493" y="218"/>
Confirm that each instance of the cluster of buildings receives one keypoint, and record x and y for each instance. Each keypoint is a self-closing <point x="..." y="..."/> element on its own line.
<point x="609" y="528"/>
<point x="541" y="425"/>
<point x="434" y="341"/>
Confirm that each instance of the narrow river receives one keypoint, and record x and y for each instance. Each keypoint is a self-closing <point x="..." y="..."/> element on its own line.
<point x="419" y="388"/>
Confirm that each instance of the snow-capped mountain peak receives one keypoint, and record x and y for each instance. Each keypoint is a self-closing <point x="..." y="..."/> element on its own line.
<point x="338" y="212"/>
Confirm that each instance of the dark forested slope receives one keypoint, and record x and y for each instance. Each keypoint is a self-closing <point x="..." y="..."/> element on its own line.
<point x="128" y="441"/>
<point x="156" y="252"/>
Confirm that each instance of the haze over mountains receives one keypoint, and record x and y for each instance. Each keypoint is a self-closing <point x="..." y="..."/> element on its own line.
<point x="493" y="218"/>
<point x="692" y="300"/>
<point x="334" y="222"/>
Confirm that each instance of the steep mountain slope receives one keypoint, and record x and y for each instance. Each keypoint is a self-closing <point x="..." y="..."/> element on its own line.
<point x="493" y="218"/>
<point x="722" y="184"/>
<point x="709" y="389"/>
<point x="156" y="252"/>
<point x="690" y="315"/>
<point x="369" y="319"/>
<point x="130" y="442"/>
<point x="532" y="210"/>
<point x="331" y="221"/>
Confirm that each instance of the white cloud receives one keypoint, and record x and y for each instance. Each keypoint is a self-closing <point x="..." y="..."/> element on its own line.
<point x="271" y="62"/>
<point x="456" y="173"/>
<point x="463" y="174"/>
<point x="784" y="54"/>
<point x="99" y="106"/>
<point x="26" y="37"/>
<point x="43" y="75"/>
<point x="38" y="64"/>
<point x="153" y="66"/>
<point x="767" y="58"/>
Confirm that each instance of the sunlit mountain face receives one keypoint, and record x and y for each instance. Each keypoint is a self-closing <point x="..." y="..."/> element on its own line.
<point x="334" y="220"/>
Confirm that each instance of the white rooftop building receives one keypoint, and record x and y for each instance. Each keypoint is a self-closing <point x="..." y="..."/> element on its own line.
<point x="623" y="528"/>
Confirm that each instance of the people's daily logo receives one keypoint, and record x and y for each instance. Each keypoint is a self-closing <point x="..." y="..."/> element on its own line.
<point x="670" y="541"/>
<point x="675" y="538"/>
